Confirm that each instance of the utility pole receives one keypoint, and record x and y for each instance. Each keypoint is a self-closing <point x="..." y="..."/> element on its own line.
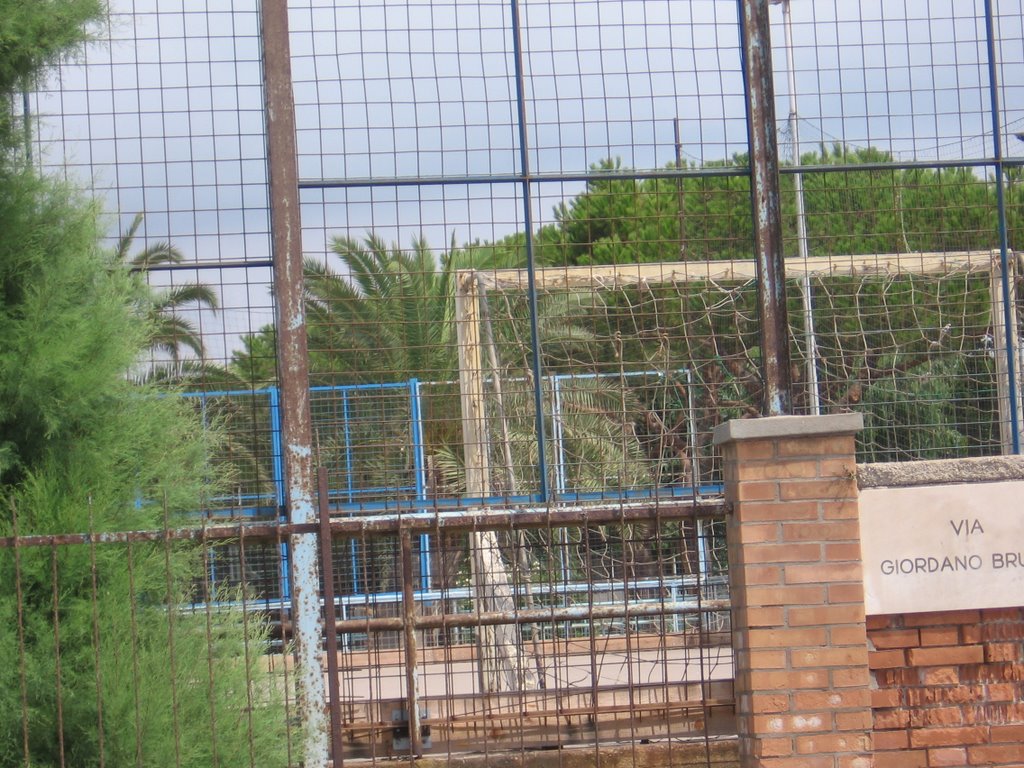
<point x="680" y="190"/>
<point x="810" y="339"/>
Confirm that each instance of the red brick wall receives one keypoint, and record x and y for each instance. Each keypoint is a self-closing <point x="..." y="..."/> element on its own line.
<point x="818" y="684"/>
<point x="802" y="686"/>
<point x="948" y="688"/>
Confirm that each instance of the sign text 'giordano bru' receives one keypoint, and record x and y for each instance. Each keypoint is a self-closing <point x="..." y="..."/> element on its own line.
<point x="951" y="563"/>
<point x="942" y="547"/>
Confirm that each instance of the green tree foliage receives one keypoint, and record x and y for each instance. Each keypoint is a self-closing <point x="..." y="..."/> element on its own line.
<point x="878" y="336"/>
<point x="33" y="35"/>
<point x="98" y="664"/>
<point x="389" y="316"/>
<point x="886" y="210"/>
<point x="391" y="319"/>
<point x="82" y="447"/>
<point x="849" y="211"/>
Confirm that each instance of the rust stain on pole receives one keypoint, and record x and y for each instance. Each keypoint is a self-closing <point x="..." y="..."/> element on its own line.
<point x="767" y="208"/>
<point x="296" y="427"/>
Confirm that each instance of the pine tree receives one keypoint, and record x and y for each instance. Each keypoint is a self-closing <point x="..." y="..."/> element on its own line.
<point x="98" y="663"/>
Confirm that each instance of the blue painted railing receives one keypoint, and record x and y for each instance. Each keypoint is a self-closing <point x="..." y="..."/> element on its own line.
<point x="350" y="498"/>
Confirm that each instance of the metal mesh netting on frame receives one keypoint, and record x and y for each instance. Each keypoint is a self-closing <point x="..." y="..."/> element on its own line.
<point x="649" y="358"/>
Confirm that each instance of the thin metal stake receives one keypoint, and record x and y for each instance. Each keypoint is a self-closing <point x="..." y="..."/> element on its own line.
<point x="412" y="682"/>
<point x="22" y="659"/>
<point x="326" y="557"/>
<point x="56" y="656"/>
<point x="806" y="286"/>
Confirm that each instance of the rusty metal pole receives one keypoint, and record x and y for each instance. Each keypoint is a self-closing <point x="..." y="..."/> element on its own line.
<point x="292" y="361"/>
<point x="412" y="675"/>
<point x="330" y="615"/>
<point x="766" y="206"/>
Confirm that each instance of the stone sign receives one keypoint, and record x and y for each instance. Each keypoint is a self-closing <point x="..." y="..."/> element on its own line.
<point x="943" y="547"/>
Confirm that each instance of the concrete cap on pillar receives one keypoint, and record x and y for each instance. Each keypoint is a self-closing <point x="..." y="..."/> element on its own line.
<point x="769" y="427"/>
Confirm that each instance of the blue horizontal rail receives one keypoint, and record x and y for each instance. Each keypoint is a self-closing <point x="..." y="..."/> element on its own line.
<point x="414" y="496"/>
<point x="670" y="588"/>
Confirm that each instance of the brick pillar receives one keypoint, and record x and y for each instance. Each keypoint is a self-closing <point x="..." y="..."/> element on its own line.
<point x="801" y="654"/>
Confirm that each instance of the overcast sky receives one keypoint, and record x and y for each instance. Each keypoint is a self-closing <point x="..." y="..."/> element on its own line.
<point x="163" y="113"/>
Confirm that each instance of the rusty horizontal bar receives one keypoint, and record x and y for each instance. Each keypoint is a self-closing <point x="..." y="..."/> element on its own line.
<point x="212" y="533"/>
<point x="518" y="702"/>
<point x="479" y="519"/>
<point x="531" y="616"/>
<point x="475" y="718"/>
<point x="494" y="519"/>
<point x="601" y="709"/>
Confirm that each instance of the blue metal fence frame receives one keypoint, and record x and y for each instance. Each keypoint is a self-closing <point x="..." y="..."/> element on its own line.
<point x="347" y="500"/>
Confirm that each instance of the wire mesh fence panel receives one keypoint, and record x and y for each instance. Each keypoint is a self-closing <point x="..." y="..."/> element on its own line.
<point x="257" y="567"/>
<point x="112" y="662"/>
<point x="915" y="354"/>
<point x="622" y="148"/>
<point x="161" y="115"/>
<point x="534" y="634"/>
<point x="173" y="644"/>
<point x="626" y="156"/>
<point x="366" y="436"/>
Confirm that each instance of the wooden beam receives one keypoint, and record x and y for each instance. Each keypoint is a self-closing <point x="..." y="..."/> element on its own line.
<point x="471" y="385"/>
<point x="735" y="271"/>
<point x="1001" y="340"/>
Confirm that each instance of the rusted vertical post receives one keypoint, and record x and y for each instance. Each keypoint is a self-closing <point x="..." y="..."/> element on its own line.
<point x="292" y="361"/>
<point x="766" y="206"/>
<point x="412" y="677"/>
<point x="330" y="618"/>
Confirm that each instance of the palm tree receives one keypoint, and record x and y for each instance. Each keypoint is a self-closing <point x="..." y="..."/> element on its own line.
<point x="170" y="333"/>
<point x="389" y="319"/>
<point x="389" y="315"/>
